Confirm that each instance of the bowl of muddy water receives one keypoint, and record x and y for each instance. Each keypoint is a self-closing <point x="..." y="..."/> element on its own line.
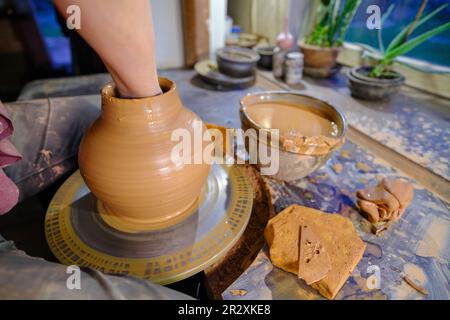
<point x="290" y="135"/>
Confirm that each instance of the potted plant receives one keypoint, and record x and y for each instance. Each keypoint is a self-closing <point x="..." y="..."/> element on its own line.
<point x="321" y="47"/>
<point x="378" y="81"/>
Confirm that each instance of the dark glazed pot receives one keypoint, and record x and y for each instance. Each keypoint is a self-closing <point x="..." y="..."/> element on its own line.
<point x="266" y="56"/>
<point x="237" y="62"/>
<point x="364" y="87"/>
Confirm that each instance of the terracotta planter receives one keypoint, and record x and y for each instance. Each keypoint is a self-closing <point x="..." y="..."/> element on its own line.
<point x="125" y="160"/>
<point x="364" y="87"/>
<point x="318" y="57"/>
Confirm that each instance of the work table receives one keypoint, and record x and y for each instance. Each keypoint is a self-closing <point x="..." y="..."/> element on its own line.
<point x="407" y="137"/>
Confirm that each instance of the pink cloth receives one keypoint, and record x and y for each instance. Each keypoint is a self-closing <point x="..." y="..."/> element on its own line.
<point x="9" y="193"/>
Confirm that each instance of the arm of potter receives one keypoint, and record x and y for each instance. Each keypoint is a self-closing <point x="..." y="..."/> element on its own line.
<point x="121" y="32"/>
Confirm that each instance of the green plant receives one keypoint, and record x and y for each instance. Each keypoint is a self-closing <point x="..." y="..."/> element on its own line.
<point x="402" y="43"/>
<point x="332" y="22"/>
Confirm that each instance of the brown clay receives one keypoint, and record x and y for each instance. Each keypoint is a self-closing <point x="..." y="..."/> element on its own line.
<point x="318" y="57"/>
<point x="125" y="159"/>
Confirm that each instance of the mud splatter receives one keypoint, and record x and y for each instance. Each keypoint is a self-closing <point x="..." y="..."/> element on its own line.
<point x="373" y="249"/>
<point x="47" y="154"/>
<point x="414" y="273"/>
<point x="337" y="168"/>
<point x="414" y="285"/>
<point x="435" y="241"/>
<point x="366" y="226"/>
<point x="238" y="292"/>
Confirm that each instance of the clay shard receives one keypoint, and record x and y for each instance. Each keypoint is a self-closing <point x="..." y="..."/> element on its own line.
<point x="336" y="233"/>
<point x="314" y="262"/>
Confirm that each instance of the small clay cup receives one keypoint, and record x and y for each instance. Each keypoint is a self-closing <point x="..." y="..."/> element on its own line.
<point x="319" y="57"/>
<point x="125" y="160"/>
<point x="364" y="87"/>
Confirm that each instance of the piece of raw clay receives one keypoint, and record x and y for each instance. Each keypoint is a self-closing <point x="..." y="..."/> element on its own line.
<point x="314" y="262"/>
<point x="336" y="233"/>
<point x="401" y="190"/>
<point x="385" y="202"/>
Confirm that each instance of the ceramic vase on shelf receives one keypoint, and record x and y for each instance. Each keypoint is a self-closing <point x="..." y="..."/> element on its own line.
<point x="125" y="160"/>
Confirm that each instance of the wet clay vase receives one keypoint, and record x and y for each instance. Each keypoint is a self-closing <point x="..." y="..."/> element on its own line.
<point x="125" y="160"/>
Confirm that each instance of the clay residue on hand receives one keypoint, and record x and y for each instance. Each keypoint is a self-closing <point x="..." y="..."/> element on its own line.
<point x="385" y="202"/>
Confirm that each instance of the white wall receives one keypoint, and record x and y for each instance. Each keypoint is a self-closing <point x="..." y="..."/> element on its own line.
<point x="217" y="25"/>
<point x="168" y="28"/>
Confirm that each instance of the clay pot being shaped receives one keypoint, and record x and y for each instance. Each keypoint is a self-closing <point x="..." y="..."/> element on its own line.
<point x="125" y="160"/>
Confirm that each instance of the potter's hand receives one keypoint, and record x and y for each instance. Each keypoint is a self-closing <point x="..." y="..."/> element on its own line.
<point x="121" y="32"/>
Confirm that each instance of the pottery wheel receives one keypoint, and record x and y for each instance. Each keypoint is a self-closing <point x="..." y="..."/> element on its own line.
<point x="77" y="235"/>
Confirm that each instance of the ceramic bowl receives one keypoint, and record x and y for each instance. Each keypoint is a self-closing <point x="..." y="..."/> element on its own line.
<point x="237" y="62"/>
<point x="294" y="165"/>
